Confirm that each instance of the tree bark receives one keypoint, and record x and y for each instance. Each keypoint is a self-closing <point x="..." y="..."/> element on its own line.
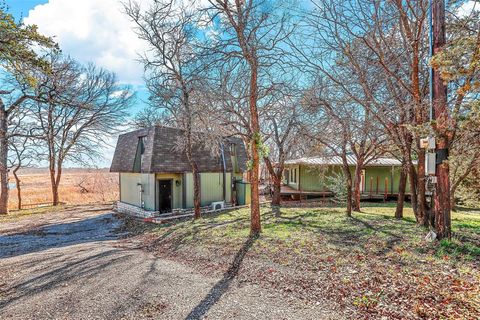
<point x="19" y="188"/>
<point x="413" y="189"/>
<point x="349" y="196"/>
<point x="348" y="177"/>
<point x="401" y="193"/>
<point x="3" y="160"/>
<point x="422" y="216"/>
<point x="54" y="186"/>
<point x="276" y="176"/>
<point x="255" y="225"/>
<point x="356" y="187"/>
<point x="441" y="195"/>
<point x="196" y="191"/>
<point x="276" y="197"/>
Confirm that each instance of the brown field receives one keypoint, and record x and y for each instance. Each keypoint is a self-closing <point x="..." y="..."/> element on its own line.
<point x="78" y="186"/>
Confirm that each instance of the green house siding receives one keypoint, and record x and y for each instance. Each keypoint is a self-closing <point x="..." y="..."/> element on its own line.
<point x="211" y="185"/>
<point x="312" y="178"/>
<point x="388" y="179"/>
<point x="378" y="179"/>
<point x="211" y="188"/>
<point x="130" y="184"/>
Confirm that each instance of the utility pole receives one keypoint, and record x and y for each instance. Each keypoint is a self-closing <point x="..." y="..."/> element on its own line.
<point x="441" y="122"/>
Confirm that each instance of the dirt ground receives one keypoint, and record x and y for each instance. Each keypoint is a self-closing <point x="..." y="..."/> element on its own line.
<point x="77" y="264"/>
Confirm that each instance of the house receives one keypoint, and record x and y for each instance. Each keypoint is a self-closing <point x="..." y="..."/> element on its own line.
<point x="155" y="176"/>
<point x="307" y="176"/>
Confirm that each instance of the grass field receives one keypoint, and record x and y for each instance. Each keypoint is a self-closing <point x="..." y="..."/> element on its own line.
<point x="78" y="186"/>
<point x="367" y="266"/>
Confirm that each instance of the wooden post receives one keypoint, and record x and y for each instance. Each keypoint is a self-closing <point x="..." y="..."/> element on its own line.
<point x="378" y="179"/>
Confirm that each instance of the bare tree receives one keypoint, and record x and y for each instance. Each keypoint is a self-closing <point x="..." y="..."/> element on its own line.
<point x="83" y="107"/>
<point x="249" y="41"/>
<point x="366" y="144"/>
<point x="22" y="155"/>
<point x="150" y="116"/>
<point x="328" y="120"/>
<point x="281" y="129"/>
<point x="17" y="58"/>
<point x="174" y="72"/>
<point x="384" y="44"/>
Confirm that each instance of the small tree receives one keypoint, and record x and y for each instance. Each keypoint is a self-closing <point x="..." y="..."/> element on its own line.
<point x="328" y="120"/>
<point x="337" y="184"/>
<point x="17" y="58"/>
<point x="281" y="127"/>
<point x="249" y="40"/>
<point x="22" y="155"/>
<point x="174" y="74"/>
<point x="83" y="107"/>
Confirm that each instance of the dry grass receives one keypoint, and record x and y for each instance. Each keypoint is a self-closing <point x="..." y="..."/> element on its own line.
<point x="370" y="266"/>
<point x="78" y="186"/>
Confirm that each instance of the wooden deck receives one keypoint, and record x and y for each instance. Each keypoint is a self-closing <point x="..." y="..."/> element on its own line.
<point x="301" y="194"/>
<point x="289" y="191"/>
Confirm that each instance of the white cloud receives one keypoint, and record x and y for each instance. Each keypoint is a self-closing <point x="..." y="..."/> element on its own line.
<point x="468" y="7"/>
<point x="93" y="31"/>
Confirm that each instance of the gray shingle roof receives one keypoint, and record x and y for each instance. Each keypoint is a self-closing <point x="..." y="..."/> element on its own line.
<point x="161" y="156"/>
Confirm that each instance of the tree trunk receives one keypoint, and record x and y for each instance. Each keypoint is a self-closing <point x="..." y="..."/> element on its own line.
<point x="348" y="177"/>
<point x="441" y="202"/>
<point x="55" y="178"/>
<point x="276" y="176"/>
<point x="19" y="188"/>
<point x="277" y="186"/>
<point x="441" y="196"/>
<point x="255" y="140"/>
<point x="413" y="188"/>
<point x="196" y="191"/>
<point x="3" y="160"/>
<point x="401" y="193"/>
<point x="422" y="216"/>
<point x="255" y="225"/>
<point x="349" y="196"/>
<point x="357" y="181"/>
<point x="53" y="182"/>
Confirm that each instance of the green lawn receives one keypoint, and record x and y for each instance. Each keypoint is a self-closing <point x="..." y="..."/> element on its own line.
<point x="371" y="262"/>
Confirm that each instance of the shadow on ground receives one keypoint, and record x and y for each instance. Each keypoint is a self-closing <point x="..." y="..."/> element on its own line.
<point x="221" y="286"/>
<point x="99" y="228"/>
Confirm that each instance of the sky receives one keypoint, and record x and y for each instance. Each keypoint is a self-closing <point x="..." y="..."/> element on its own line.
<point x="91" y="31"/>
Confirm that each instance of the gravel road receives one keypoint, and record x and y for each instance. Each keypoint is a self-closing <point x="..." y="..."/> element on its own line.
<point x="72" y="265"/>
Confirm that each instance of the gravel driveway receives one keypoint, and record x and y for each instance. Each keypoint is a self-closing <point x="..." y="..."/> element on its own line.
<point x="72" y="265"/>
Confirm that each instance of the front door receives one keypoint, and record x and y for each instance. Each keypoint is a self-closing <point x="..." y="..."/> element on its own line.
<point x="165" y="196"/>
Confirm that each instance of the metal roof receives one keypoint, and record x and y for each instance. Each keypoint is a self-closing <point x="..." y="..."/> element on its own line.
<point x="337" y="161"/>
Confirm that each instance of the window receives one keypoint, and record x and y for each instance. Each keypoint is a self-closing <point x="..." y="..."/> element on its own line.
<point x="141" y="143"/>
<point x="137" y="166"/>
<point x="293" y="175"/>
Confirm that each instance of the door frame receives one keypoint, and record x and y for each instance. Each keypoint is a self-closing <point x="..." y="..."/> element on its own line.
<point x="157" y="186"/>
